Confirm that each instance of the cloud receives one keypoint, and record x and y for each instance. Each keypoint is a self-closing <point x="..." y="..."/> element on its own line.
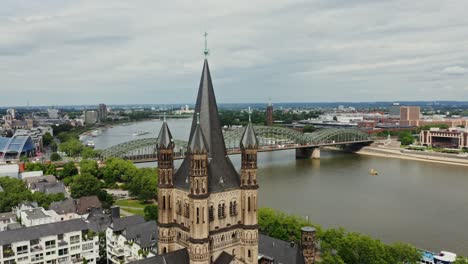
<point x="142" y="51"/>
<point x="455" y="70"/>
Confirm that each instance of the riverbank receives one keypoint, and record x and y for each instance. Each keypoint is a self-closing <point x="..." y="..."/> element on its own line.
<point x="413" y="155"/>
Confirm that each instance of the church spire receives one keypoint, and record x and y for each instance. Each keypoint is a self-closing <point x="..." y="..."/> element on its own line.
<point x="165" y="139"/>
<point x="206" y="122"/>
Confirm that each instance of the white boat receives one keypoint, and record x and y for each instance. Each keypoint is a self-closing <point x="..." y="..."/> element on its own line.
<point x="90" y="144"/>
<point x="96" y="132"/>
<point x="139" y="133"/>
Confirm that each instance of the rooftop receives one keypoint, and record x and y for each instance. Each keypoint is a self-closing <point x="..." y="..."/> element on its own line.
<point x="36" y="232"/>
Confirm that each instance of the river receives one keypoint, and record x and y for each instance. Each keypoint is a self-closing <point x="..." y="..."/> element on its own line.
<point x="421" y="203"/>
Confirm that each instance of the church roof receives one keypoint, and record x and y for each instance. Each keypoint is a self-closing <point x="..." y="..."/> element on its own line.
<point x="165" y="137"/>
<point x="221" y="173"/>
<point x="198" y="142"/>
<point x="249" y="138"/>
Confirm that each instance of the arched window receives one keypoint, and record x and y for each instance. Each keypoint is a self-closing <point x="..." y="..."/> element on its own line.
<point x="220" y="213"/>
<point x="198" y="215"/>
<point x="211" y="213"/>
<point x="164" y="202"/>
<point x="249" y="254"/>
<point x="248" y="204"/>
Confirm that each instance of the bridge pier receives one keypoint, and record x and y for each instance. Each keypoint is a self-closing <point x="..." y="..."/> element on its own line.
<point x="307" y="153"/>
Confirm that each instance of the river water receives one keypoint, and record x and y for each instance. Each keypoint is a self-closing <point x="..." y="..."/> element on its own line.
<point x="422" y="203"/>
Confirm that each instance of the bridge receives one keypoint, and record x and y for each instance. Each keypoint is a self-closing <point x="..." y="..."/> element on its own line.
<point x="271" y="138"/>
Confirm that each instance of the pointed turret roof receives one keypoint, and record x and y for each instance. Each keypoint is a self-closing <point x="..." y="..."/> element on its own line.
<point x="198" y="142"/>
<point x="221" y="172"/>
<point x="249" y="138"/>
<point x="165" y="137"/>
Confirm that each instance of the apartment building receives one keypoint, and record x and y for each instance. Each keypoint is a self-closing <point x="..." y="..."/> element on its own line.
<point x="55" y="243"/>
<point x="131" y="238"/>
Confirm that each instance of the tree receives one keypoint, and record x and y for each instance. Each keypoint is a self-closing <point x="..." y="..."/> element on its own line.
<point x="143" y="184"/>
<point x="47" y="139"/>
<point x="50" y="169"/>
<point x="151" y="212"/>
<point x="53" y="146"/>
<point x="406" y="138"/>
<point x="88" y="153"/>
<point x="15" y="192"/>
<point x="32" y="166"/>
<point x="72" y="147"/>
<point x="329" y="258"/>
<point x="68" y="170"/>
<point x="55" y="157"/>
<point x="106" y="199"/>
<point x="84" y="185"/>
<point x="461" y="260"/>
<point x="89" y="167"/>
<point x="402" y="253"/>
<point x="118" y="170"/>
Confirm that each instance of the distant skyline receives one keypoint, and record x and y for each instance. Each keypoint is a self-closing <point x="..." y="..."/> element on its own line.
<point x="70" y="52"/>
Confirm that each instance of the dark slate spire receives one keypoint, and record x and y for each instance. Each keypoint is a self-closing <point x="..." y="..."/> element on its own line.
<point x="222" y="174"/>
<point x="249" y="138"/>
<point x="165" y="137"/>
<point x="198" y="142"/>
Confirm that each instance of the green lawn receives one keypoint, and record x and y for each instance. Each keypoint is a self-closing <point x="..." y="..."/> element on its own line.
<point x="134" y="211"/>
<point x="131" y="203"/>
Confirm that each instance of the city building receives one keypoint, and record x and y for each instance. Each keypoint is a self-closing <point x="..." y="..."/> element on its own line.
<point x="60" y="242"/>
<point x="74" y="208"/>
<point x="184" y="110"/>
<point x="130" y="239"/>
<point x="444" y="138"/>
<point x="410" y="115"/>
<point x="9" y="170"/>
<point x="102" y="112"/>
<point x="394" y="110"/>
<point x="32" y="215"/>
<point x="45" y="184"/>
<point x="7" y="219"/>
<point x="53" y="113"/>
<point x="269" y="114"/>
<point x="16" y="146"/>
<point x="90" y="116"/>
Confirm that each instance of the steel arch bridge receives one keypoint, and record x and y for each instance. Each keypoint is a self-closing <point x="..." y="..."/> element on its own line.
<point x="270" y="138"/>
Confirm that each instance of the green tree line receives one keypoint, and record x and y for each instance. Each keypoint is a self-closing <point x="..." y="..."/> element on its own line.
<point x="337" y="245"/>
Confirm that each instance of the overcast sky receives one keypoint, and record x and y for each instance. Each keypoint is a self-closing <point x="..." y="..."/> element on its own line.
<point x="55" y="52"/>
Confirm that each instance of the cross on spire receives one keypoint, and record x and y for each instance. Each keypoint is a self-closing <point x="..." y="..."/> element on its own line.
<point x="206" y="51"/>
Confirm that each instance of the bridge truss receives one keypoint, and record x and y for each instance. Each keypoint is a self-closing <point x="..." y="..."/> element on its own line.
<point x="268" y="136"/>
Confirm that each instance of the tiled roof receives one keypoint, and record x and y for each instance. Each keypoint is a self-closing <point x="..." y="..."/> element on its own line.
<point x="119" y="224"/>
<point x="279" y="250"/>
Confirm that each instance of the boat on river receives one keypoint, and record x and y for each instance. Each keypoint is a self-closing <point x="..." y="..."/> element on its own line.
<point x="373" y="172"/>
<point x="140" y="133"/>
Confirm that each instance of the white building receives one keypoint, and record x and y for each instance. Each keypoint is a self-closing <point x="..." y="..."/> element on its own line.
<point x="53" y="113"/>
<point x="31" y="215"/>
<point x="6" y="219"/>
<point x="56" y="243"/>
<point x="130" y="239"/>
<point x="9" y="170"/>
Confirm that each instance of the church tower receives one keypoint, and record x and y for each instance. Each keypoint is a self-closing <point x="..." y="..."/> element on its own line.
<point x="249" y="187"/>
<point x="165" y="149"/>
<point x="204" y="206"/>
